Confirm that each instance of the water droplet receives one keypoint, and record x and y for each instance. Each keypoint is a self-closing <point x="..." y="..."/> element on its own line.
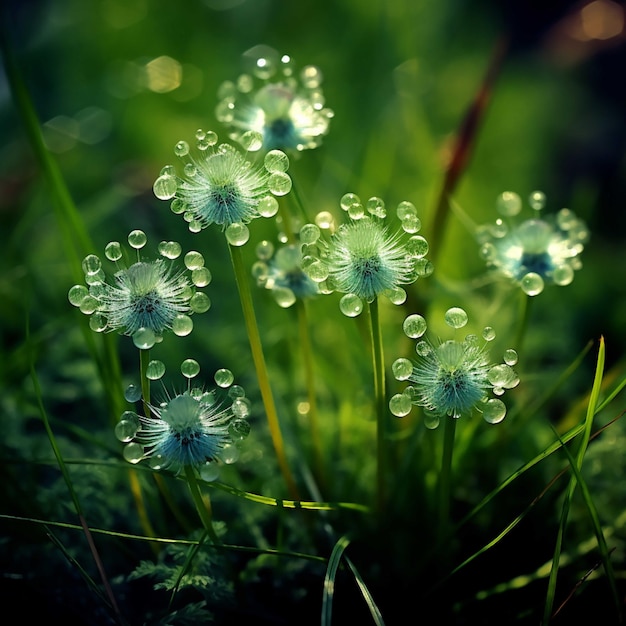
<point x="155" y="370"/>
<point x="181" y="149"/>
<point x="201" y="277"/>
<point x="209" y="472"/>
<point x="414" y="326"/>
<point x="417" y="246"/>
<point x="144" y="338"/>
<point x="170" y="249"/>
<point x="237" y="234"/>
<point x="200" y="302"/>
<point x="241" y="407"/>
<point x="268" y="206"/>
<point x="125" y="430"/>
<point x="532" y="284"/>
<point x="88" y="305"/>
<point x="165" y="187"/>
<point x="239" y="429"/>
<point x="224" y="377"/>
<point x="190" y="170"/>
<point x="537" y="200"/>
<point x="510" y="357"/>
<point x="182" y="325"/>
<point x="229" y="454"/>
<point x="406" y="210"/>
<point x="563" y="275"/>
<point x="97" y="322"/>
<point x="402" y="369"/>
<point x="423" y="348"/>
<point x="279" y="183"/>
<point x="113" y="251"/>
<point x="508" y="203"/>
<point x="132" y="393"/>
<point x="77" y="294"/>
<point x="309" y="234"/>
<point x="351" y="305"/>
<point x="489" y="334"/>
<point x="356" y="211"/>
<point x="317" y="271"/>
<point x="276" y="161"/>
<point x="424" y="268"/>
<point x="178" y="206"/>
<point x="91" y="264"/>
<point x="431" y="421"/>
<point x="411" y="224"/>
<point x="376" y="207"/>
<point x="137" y="239"/>
<point x="348" y="200"/>
<point x="190" y="368"/>
<point x="503" y="376"/>
<point x="455" y="317"/>
<point x="400" y="405"/>
<point x="133" y="452"/>
<point x="251" y="140"/>
<point x="396" y="296"/>
<point x="264" y="250"/>
<point x="325" y="220"/>
<point x="494" y="411"/>
<point x="194" y="260"/>
<point x="284" y="297"/>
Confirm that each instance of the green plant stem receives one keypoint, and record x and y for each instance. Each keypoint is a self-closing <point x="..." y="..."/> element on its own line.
<point x="144" y="359"/>
<point x="379" y="395"/>
<point x="525" y="311"/>
<point x="307" y="356"/>
<point x="258" y="357"/>
<point x="445" y="477"/>
<point x="203" y="506"/>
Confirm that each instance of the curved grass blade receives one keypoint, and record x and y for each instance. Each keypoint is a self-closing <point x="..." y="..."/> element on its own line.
<point x="329" y="579"/>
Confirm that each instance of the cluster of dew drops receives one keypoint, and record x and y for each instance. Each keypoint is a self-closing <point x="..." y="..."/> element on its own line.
<point x="129" y="425"/>
<point x="501" y="376"/>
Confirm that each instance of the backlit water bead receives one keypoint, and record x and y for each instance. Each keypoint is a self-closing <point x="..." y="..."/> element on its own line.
<point x="132" y="393"/>
<point x="451" y="378"/>
<point x="155" y="370"/>
<point x="224" y="377"/>
<point x="400" y="405"/>
<point x="285" y="108"/>
<point x="190" y="368"/>
<point x="194" y="260"/>
<point x="239" y="429"/>
<point x="535" y="252"/>
<point x="144" y="338"/>
<point x="200" y="302"/>
<point x="414" y="326"/>
<point x="113" y="251"/>
<point x="201" y="277"/>
<point x="351" y="305"/>
<point x="221" y="185"/>
<point x="127" y="427"/>
<point x="133" y="452"/>
<point x="137" y="239"/>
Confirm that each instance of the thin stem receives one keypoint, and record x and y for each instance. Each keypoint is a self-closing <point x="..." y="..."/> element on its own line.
<point x="445" y="477"/>
<point x="523" y="323"/>
<point x="379" y="395"/>
<point x="144" y="359"/>
<point x="203" y="505"/>
<point x="307" y="356"/>
<point x="258" y="357"/>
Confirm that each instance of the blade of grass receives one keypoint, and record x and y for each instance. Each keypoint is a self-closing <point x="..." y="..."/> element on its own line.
<point x="329" y="579"/>
<point x="369" y="600"/>
<point x="582" y="448"/>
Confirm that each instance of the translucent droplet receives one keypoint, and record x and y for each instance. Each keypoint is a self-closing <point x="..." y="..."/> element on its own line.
<point x="503" y="376"/>
<point x="279" y="183"/>
<point x="325" y="220"/>
<point x="91" y="264"/>
<point x="170" y="249"/>
<point x="489" y="334"/>
<point x="132" y="393"/>
<point x="190" y="368"/>
<point x="309" y="233"/>
<point x="155" y="461"/>
<point x="417" y="246"/>
<point x="537" y="200"/>
<point x="348" y="200"/>
<point x="200" y="302"/>
<point x="155" y="370"/>
<point x="224" y="377"/>
<point x="406" y="210"/>
<point x="455" y="317"/>
<point x="88" y="305"/>
<point x="563" y="275"/>
<point x="237" y="234"/>
<point x="229" y="454"/>
<point x="508" y="203"/>
<point x="376" y="207"/>
<point x="402" y="369"/>
<point x="532" y="284"/>
<point x="239" y="429"/>
<point x="423" y="348"/>
<point x="431" y="421"/>
<point x="182" y="325"/>
<point x="133" y="452"/>
<point x="125" y="430"/>
<point x="144" y="338"/>
<point x="493" y="411"/>
<point x="241" y="407"/>
<point x="209" y="472"/>
<point x="414" y="326"/>
<point x="424" y="268"/>
<point x="190" y="170"/>
<point x="201" y="277"/>
<point x="98" y="322"/>
<point x="276" y="161"/>
<point x="268" y="206"/>
<point x="284" y="297"/>
<point x="137" y="239"/>
<point x="510" y="357"/>
<point x="251" y="140"/>
<point x="400" y="405"/>
<point x="165" y="187"/>
<point x="77" y="294"/>
<point x="411" y="224"/>
<point x="351" y="305"/>
<point x="356" y="211"/>
<point x="113" y="251"/>
<point x="194" y="260"/>
<point x="317" y="271"/>
<point x="396" y="296"/>
<point x="181" y="149"/>
<point x="178" y="206"/>
<point x="236" y="391"/>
